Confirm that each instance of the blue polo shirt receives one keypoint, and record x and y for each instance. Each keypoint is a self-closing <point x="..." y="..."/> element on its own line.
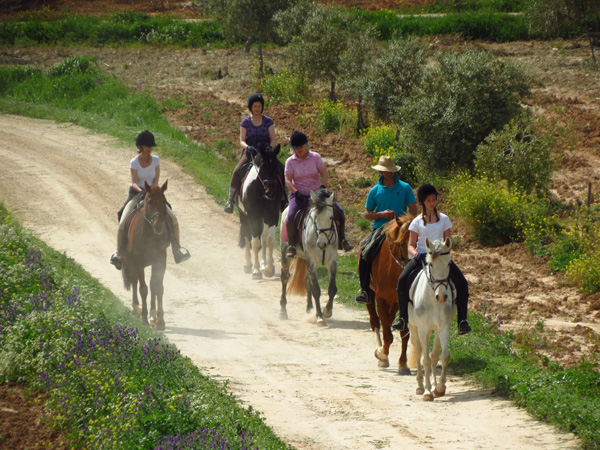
<point x="397" y="198"/>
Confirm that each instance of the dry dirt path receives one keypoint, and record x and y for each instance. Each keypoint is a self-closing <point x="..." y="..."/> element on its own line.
<point x="319" y="388"/>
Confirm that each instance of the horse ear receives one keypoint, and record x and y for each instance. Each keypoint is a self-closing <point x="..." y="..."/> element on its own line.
<point x="164" y="186"/>
<point x="147" y="186"/>
<point x="427" y="243"/>
<point x="313" y="196"/>
<point x="334" y="196"/>
<point x="277" y="148"/>
<point x="448" y="243"/>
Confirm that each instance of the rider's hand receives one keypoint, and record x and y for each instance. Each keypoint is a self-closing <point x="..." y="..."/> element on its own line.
<point x="251" y="150"/>
<point x="300" y="197"/>
<point x="421" y="257"/>
<point x="322" y="187"/>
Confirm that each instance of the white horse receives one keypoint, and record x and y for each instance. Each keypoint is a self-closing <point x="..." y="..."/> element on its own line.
<point x="320" y="244"/>
<point x="432" y="309"/>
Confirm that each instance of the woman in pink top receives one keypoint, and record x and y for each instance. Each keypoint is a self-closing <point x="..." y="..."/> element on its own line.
<point x="305" y="171"/>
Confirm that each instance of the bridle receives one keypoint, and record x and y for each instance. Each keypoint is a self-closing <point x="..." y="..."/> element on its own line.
<point x="403" y="261"/>
<point x="262" y="181"/>
<point x="433" y="282"/>
<point x="152" y="219"/>
<point x="330" y="233"/>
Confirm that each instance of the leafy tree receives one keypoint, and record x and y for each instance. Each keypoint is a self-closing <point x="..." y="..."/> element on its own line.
<point x="461" y="100"/>
<point x="555" y="17"/>
<point x="520" y="153"/>
<point x="317" y="38"/>
<point x="245" y="19"/>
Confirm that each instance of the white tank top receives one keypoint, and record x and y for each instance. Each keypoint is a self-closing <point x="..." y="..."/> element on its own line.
<point x="145" y="174"/>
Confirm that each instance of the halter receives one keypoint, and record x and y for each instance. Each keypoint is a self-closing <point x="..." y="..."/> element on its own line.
<point x="152" y="218"/>
<point x="437" y="282"/>
<point x="262" y="182"/>
<point x="404" y="260"/>
<point x="325" y="231"/>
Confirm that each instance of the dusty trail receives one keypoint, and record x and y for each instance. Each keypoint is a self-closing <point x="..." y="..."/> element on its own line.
<point x="319" y="388"/>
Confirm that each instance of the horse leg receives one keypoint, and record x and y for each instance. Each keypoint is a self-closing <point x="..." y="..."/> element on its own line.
<point x="403" y="361"/>
<point x="444" y="339"/>
<point x="424" y="338"/>
<point x="156" y="291"/>
<point x="331" y="290"/>
<point x="248" y="254"/>
<point x="143" y="295"/>
<point x="268" y="244"/>
<point x="418" y="352"/>
<point x="135" y="304"/>
<point x="256" y="273"/>
<point x="285" y="277"/>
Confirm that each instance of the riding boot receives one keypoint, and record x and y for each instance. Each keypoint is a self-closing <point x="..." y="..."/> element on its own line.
<point x="180" y="254"/>
<point x="116" y="259"/>
<point x="461" y="317"/>
<point x="402" y="323"/>
<point x="233" y="193"/>
<point x="292" y="239"/>
<point x="340" y="222"/>
<point x="364" y="274"/>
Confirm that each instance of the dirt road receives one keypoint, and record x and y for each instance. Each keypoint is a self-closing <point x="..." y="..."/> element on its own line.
<point x="318" y="387"/>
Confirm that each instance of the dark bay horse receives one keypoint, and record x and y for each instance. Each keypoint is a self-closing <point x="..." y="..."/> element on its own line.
<point x="383" y="305"/>
<point x="147" y="243"/>
<point x="259" y="215"/>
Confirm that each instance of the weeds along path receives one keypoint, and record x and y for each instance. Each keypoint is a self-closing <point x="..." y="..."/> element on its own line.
<point x="319" y="388"/>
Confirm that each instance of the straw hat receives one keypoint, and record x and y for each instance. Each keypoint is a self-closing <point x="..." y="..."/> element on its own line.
<point x="385" y="164"/>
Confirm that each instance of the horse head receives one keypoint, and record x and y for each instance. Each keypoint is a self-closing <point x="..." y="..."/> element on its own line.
<point x="438" y="262"/>
<point x="155" y="207"/>
<point x="267" y="166"/>
<point x="321" y="210"/>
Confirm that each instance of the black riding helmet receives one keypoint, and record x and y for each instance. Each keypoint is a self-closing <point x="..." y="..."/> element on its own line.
<point x="145" y="138"/>
<point x="298" y="139"/>
<point x="255" y="98"/>
<point x="425" y="191"/>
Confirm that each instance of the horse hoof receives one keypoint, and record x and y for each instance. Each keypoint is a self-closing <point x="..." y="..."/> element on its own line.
<point x="327" y="313"/>
<point x="257" y="276"/>
<point x="383" y="363"/>
<point x="269" y="272"/>
<point x="403" y="370"/>
<point x="137" y="311"/>
<point x="283" y="315"/>
<point x="160" y="326"/>
<point x="248" y="269"/>
<point x="439" y="393"/>
<point x="321" y="322"/>
<point x="428" y="397"/>
<point x="420" y="391"/>
<point x="380" y="355"/>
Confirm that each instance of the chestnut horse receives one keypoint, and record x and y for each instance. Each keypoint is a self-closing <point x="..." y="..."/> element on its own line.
<point x="147" y="243"/>
<point x="383" y="300"/>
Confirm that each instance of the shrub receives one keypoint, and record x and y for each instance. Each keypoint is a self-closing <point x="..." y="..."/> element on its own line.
<point x="585" y="272"/>
<point x="379" y="137"/>
<point x="335" y="117"/>
<point x="286" y="86"/>
<point x="494" y="214"/>
<point x="518" y="154"/>
<point x="567" y="248"/>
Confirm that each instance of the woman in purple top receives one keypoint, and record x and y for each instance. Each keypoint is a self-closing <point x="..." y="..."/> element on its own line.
<point x="305" y="171"/>
<point x="255" y="130"/>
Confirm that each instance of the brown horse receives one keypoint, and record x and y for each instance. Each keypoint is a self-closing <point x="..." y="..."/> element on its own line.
<point x="383" y="300"/>
<point x="147" y="243"/>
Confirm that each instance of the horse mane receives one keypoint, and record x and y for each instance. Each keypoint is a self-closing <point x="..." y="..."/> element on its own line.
<point x="322" y="195"/>
<point x="396" y="230"/>
<point x="438" y="248"/>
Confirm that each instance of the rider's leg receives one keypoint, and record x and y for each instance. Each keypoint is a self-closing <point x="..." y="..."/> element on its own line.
<point x="402" y="291"/>
<point x="116" y="259"/>
<point x="180" y="253"/>
<point x="234" y="185"/>
<point x="364" y="275"/>
<point x="340" y="221"/>
<point x="462" y="298"/>
<point x="291" y="228"/>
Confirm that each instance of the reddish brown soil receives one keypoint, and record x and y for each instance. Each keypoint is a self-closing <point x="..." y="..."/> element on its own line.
<point x="507" y="279"/>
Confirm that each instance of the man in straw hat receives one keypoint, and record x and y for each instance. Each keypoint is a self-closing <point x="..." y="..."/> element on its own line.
<point x="389" y="198"/>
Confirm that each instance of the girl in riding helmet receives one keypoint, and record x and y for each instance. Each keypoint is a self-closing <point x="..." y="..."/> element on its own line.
<point x="305" y="171"/>
<point x="145" y="168"/>
<point x="255" y="130"/>
<point x="435" y="226"/>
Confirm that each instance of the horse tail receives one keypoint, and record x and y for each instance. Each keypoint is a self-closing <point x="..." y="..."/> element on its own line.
<point x="126" y="277"/>
<point x="244" y="229"/>
<point x="411" y="361"/>
<point x="296" y="284"/>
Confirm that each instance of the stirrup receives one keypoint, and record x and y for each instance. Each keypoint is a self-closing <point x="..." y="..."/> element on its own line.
<point x="116" y="260"/>
<point x="361" y="297"/>
<point x="399" y="325"/>
<point x="346" y="246"/>
<point x="229" y="207"/>
<point x="181" y="255"/>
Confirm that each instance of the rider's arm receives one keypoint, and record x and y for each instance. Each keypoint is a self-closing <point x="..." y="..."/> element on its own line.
<point x="447" y="233"/>
<point x="134" y="180"/>
<point x="372" y="215"/>
<point x="156" y="176"/>
<point x="288" y="182"/>
<point x="324" y="175"/>
<point x="272" y="136"/>
<point x="412" y="243"/>
<point x="243" y="137"/>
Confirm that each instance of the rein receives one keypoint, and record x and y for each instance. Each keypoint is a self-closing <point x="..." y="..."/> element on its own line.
<point x="439" y="282"/>
<point x="404" y="260"/>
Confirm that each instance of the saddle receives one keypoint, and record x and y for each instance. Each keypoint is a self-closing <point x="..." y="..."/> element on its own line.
<point x="298" y="222"/>
<point x="372" y="245"/>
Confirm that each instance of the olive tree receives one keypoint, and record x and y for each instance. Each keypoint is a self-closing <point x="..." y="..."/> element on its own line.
<point x="553" y="18"/>
<point x="317" y="37"/>
<point x="245" y="19"/>
<point x="461" y="100"/>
